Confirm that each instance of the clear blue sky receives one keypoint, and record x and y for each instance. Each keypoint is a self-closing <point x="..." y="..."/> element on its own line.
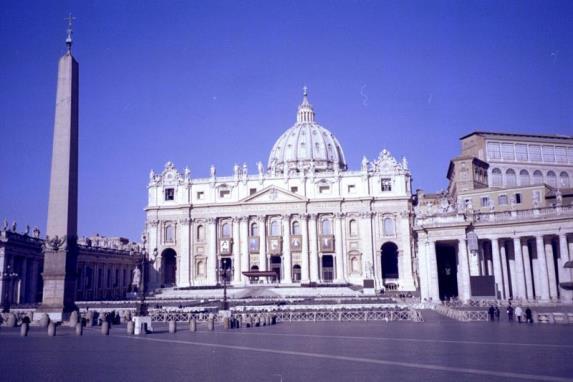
<point x="201" y="82"/>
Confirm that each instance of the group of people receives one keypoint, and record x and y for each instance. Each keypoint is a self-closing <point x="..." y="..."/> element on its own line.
<point x="521" y="315"/>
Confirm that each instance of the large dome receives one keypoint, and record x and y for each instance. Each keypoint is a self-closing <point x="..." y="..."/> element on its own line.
<point x="306" y="145"/>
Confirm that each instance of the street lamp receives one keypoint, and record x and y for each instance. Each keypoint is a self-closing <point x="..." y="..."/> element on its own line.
<point x="8" y="276"/>
<point x="141" y="309"/>
<point x="224" y="272"/>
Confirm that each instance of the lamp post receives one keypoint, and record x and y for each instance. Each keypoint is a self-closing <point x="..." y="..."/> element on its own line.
<point x="141" y="309"/>
<point x="9" y="278"/>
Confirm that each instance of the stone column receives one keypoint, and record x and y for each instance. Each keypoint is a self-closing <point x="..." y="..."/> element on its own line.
<point x="339" y="261"/>
<point x="236" y="252"/>
<point x="366" y="242"/>
<point x="527" y="270"/>
<point x="503" y="252"/>
<point x="244" y="246"/>
<point x="262" y="243"/>
<point x="313" y="248"/>
<point x="432" y="263"/>
<point x="564" y="274"/>
<point x="551" y="269"/>
<point x="183" y="238"/>
<point x="519" y="286"/>
<point x="287" y="256"/>
<point x="212" y="252"/>
<point x="497" y="270"/>
<point x="463" y="270"/>
<point x="423" y="268"/>
<point x="542" y="287"/>
<point x="304" y="277"/>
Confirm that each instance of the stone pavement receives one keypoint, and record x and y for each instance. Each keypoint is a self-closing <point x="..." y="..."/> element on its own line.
<point x="436" y="350"/>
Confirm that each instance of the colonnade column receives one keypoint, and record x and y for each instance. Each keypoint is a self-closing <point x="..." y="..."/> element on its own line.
<point x="313" y="242"/>
<point x="212" y="254"/>
<point x="262" y="243"/>
<point x="519" y="286"/>
<point x="432" y="263"/>
<point x="287" y="276"/>
<point x="564" y="273"/>
<point x="527" y="270"/>
<point x="338" y="243"/>
<point x="551" y="269"/>
<point x="503" y="253"/>
<point x="423" y="266"/>
<point x="464" y="271"/>
<point x="543" y="287"/>
<point x="236" y="251"/>
<point x="497" y="271"/>
<point x="244" y="245"/>
<point x="304" y="250"/>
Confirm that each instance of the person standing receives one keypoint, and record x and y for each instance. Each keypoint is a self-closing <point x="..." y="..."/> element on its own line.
<point x="496" y="312"/>
<point x="518" y="313"/>
<point x="510" y="312"/>
<point x="491" y="312"/>
<point x="528" y="315"/>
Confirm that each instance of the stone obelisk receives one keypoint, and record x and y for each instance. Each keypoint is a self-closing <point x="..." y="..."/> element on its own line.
<point x="60" y="248"/>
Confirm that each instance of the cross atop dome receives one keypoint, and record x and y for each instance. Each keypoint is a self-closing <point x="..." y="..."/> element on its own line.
<point x="305" y="111"/>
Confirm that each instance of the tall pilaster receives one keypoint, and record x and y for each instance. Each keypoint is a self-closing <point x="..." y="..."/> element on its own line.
<point x="339" y="262"/>
<point x="60" y="247"/>
<point x="313" y="245"/>
<point x="287" y="255"/>
<point x="244" y="237"/>
<point x="212" y="252"/>
<point x="236" y="252"/>
<point x="304" y="253"/>
<point x="262" y="243"/>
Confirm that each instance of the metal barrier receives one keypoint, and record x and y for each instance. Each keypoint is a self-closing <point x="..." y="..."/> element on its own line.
<point x="461" y="315"/>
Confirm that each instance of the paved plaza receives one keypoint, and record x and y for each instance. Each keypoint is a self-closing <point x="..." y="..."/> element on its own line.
<point x="436" y="350"/>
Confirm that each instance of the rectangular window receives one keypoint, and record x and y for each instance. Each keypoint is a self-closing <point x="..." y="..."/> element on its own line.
<point x="485" y="201"/>
<point x="169" y="194"/>
<point x="507" y="151"/>
<point x="386" y="184"/>
<point x="224" y="193"/>
<point x="252" y="191"/>
<point x="548" y="154"/>
<point x="493" y="151"/>
<point x="560" y="154"/>
<point x="351" y="188"/>
<point x="294" y="189"/>
<point x="518" y="198"/>
<point x="570" y="154"/>
<point x="502" y="200"/>
<point x="521" y="152"/>
<point x="535" y="153"/>
<point x="323" y="189"/>
<point x="200" y="195"/>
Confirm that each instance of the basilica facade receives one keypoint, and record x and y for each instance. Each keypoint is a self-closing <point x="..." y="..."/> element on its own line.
<point x="304" y="219"/>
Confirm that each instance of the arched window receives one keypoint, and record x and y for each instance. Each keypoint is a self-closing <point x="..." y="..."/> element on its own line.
<point x="275" y="228"/>
<point x="296" y="228"/>
<point x="551" y="179"/>
<point x="537" y="177"/>
<point x="510" y="178"/>
<point x="389" y="228"/>
<point x="524" y="178"/>
<point x="564" y="180"/>
<point x="353" y="228"/>
<point x="226" y="230"/>
<point x="201" y="268"/>
<point x="496" y="180"/>
<point x="200" y="233"/>
<point x="169" y="233"/>
<point x="326" y="227"/>
<point x="254" y="229"/>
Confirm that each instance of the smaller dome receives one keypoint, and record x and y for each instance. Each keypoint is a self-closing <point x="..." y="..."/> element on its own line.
<point x="306" y="145"/>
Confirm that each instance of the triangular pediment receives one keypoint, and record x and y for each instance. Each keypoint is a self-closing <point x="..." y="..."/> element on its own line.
<point x="273" y="194"/>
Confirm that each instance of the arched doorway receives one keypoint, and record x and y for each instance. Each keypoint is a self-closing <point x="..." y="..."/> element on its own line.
<point x="168" y="267"/>
<point x="389" y="260"/>
<point x="296" y="272"/>
<point x="276" y="267"/>
<point x="327" y="265"/>
<point x="446" y="257"/>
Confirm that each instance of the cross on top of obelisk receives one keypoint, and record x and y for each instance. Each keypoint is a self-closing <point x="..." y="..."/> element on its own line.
<point x="70" y="18"/>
